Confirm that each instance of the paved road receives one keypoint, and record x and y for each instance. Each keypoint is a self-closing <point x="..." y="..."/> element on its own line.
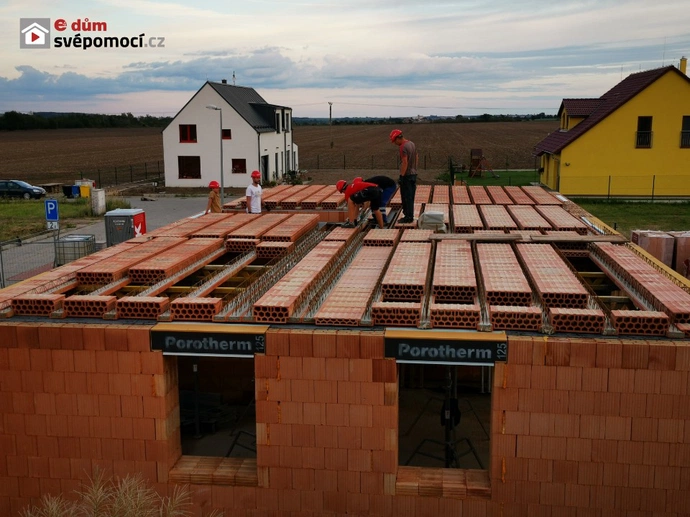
<point x="31" y="258"/>
<point x="161" y="212"/>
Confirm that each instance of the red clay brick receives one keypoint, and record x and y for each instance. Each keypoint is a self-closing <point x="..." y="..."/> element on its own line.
<point x="72" y="336"/>
<point x="49" y="336"/>
<point x="8" y="335"/>
<point x="553" y="448"/>
<point x="93" y="337"/>
<point x="607" y="403"/>
<point x="324" y="343"/>
<point x="557" y="352"/>
<point x="301" y="344"/>
<point x="635" y="355"/>
<point x="609" y="354"/>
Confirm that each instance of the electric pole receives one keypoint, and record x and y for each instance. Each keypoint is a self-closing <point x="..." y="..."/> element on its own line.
<point x="330" y="120"/>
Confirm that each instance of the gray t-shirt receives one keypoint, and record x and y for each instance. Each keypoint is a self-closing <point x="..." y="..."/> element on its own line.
<point x="409" y="150"/>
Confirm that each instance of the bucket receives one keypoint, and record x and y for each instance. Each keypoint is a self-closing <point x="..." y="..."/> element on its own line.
<point x="85" y="190"/>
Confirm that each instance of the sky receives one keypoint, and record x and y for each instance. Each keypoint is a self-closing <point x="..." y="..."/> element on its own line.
<point x="366" y="57"/>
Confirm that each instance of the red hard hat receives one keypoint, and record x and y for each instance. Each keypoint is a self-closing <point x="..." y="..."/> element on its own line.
<point x="340" y="186"/>
<point x="256" y="174"/>
<point x="395" y="134"/>
<point x="214" y="184"/>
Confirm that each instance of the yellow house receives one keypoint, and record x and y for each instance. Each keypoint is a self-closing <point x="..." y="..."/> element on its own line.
<point x="632" y="141"/>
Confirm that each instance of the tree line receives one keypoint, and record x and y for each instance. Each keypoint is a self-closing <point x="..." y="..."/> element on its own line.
<point x="13" y="121"/>
<point x="432" y="119"/>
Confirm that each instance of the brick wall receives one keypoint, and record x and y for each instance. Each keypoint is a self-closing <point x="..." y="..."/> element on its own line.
<point x="579" y="426"/>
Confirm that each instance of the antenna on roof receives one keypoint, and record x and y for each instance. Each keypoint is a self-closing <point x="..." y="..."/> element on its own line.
<point x="663" y="55"/>
<point x="233" y="78"/>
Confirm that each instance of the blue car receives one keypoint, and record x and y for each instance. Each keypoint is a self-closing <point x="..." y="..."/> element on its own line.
<point x="21" y="189"/>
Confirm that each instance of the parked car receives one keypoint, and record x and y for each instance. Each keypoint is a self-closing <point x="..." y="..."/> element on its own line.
<point x="18" y="188"/>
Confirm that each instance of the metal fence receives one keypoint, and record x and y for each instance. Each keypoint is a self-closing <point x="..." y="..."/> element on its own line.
<point x="113" y="176"/>
<point x="650" y="186"/>
<point x="23" y="258"/>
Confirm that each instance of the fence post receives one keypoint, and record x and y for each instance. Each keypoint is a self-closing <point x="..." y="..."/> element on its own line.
<point x="81" y="175"/>
<point x="653" y="185"/>
<point x="318" y="161"/>
<point x="372" y="161"/>
<point x="343" y="160"/>
<point x="608" y="196"/>
<point x="131" y="175"/>
<point x="100" y="183"/>
<point x="146" y="172"/>
<point x="425" y="162"/>
<point x="2" y="270"/>
<point x="116" y="175"/>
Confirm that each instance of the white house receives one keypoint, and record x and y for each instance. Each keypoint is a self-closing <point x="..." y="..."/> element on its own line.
<point x="254" y="135"/>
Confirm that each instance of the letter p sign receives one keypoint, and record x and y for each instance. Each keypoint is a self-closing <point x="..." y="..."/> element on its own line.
<point x="52" y="213"/>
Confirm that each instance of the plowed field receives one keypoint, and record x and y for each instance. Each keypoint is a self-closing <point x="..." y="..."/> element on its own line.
<point x="42" y="156"/>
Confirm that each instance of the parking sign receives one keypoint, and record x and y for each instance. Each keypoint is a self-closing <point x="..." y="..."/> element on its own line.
<point x="52" y="213"/>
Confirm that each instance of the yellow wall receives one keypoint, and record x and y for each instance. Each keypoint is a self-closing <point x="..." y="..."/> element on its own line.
<point x="608" y="149"/>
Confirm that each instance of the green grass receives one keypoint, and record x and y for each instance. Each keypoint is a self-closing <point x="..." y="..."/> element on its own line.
<point x="628" y="215"/>
<point x="22" y="218"/>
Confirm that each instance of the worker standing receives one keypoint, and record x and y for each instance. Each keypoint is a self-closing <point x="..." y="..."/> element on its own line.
<point x="213" y="204"/>
<point x="408" y="173"/>
<point x="254" y="194"/>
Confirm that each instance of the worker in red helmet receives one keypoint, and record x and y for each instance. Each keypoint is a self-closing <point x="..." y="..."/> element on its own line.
<point x="253" y="194"/>
<point x="408" y="173"/>
<point x="213" y="204"/>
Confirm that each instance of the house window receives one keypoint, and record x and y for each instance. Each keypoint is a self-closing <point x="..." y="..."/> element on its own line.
<point x="217" y="416"/>
<point x="287" y="122"/>
<point x="644" y="133"/>
<point x="187" y="133"/>
<point x="685" y="133"/>
<point x="277" y="122"/>
<point x="239" y="166"/>
<point x="227" y="134"/>
<point x="188" y="167"/>
<point x="444" y="416"/>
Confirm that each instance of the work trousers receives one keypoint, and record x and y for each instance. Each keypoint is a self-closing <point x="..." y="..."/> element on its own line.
<point x="408" y="186"/>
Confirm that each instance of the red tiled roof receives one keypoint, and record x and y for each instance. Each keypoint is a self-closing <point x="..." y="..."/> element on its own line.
<point x="607" y="104"/>
<point x="579" y="107"/>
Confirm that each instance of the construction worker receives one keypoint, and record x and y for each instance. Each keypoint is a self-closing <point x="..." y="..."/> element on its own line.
<point x="362" y="193"/>
<point x="408" y="173"/>
<point x="213" y="204"/>
<point x="254" y="194"/>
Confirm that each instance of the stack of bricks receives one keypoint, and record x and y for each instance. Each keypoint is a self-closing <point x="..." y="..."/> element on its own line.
<point x="561" y="219"/>
<point x="221" y="229"/>
<point x="496" y="217"/>
<point x="422" y="194"/>
<point x="665" y="295"/>
<point x="189" y="226"/>
<point x="173" y="260"/>
<point x="296" y="199"/>
<point x="333" y="201"/>
<point x="460" y="195"/>
<point x="350" y="298"/>
<point x="77" y="397"/>
<point x="454" y="287"/>
<point x="441" y="195"/>
<point x="541" y="196"/>
<point x="498" y="195"/>
<point x="518" y="196"/>
<point x="479" y="195"/>
<point x="466" y="219"/>
<point x="527" y="218"/>
<point x="277" y="198"/>
<point x="315" y="200"/>
<point x="266" y="194"/>
<point x="590" y="427"/>
<point x="508" y="293"/>
<point x="280" y="301"/>
<point x="117" y="266"/>
<point x="403" y="286"/>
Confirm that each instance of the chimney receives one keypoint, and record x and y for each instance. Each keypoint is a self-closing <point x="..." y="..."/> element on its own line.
<point x="224" y="81"/>
<point x="684" y="65"/>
